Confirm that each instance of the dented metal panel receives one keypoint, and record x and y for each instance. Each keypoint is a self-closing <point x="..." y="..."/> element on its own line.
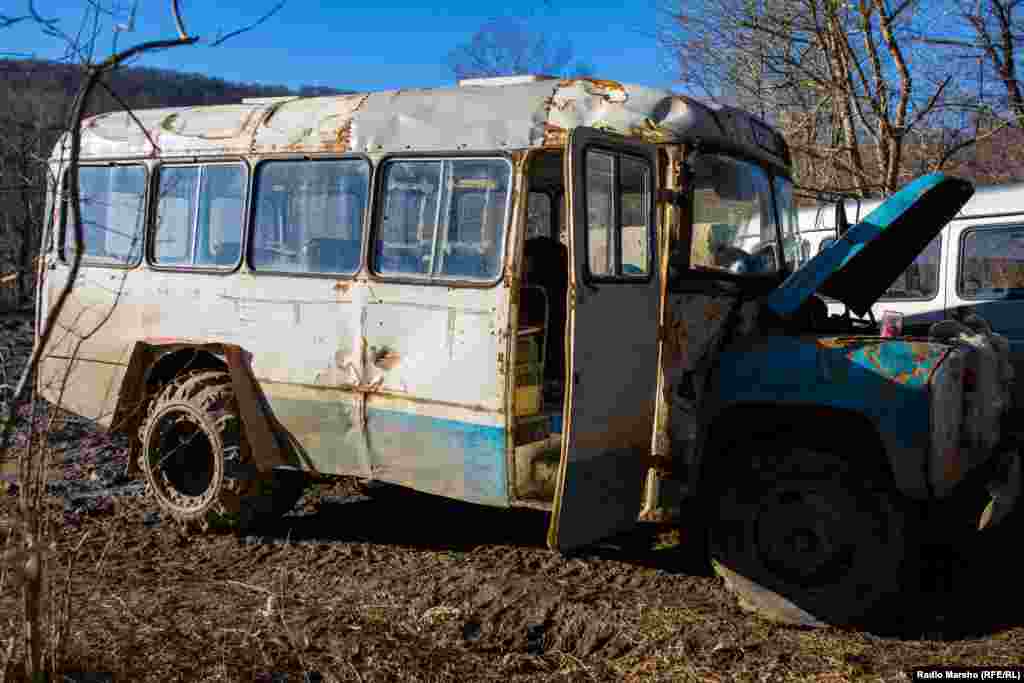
<point x="525" y="115"/>
<point x="473" y="117"/>
<point x="605" y="105"/>
<point x="316" y="124"/>
<point x="692" y="333"/>
<point x="441" y="449"/>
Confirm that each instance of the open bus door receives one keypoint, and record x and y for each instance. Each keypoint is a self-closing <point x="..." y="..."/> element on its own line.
<point x="612" y="336"/>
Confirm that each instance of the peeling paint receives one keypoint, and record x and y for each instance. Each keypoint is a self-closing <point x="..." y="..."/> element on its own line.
<point x="612" y="91"/>
<point x="510" y="117"/>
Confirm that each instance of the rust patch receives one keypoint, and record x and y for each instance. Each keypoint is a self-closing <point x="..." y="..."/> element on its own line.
<point x="342" y="287"/>
<point x="649" y="131"/>
<point x="386" y="359"/>
<point x="343" y="139"/>
<point x="612" y="91"/>
<point x="559" y="104"/>
<point x="555" y="136"/>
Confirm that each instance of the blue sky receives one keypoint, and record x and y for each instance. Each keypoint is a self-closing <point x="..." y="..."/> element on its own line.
<point x="361" y="46"/>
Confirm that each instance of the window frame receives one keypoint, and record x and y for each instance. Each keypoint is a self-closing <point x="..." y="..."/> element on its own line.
<point x="62" y="241"/>
<point x="961" y="248"/>
<point x="379" y="191"/>
<point x="652" y="247"/>
<point x="784" y="266"/>
<point x="250" y="216"/>
<point x="771" y="172"/>
<point x="153" y="212"/>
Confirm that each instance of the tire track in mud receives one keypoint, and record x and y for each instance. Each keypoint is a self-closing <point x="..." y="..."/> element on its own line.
<point x="487" y="588"/>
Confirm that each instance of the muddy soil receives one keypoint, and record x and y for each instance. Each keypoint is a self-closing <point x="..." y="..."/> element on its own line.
<point x="360" y="584"/>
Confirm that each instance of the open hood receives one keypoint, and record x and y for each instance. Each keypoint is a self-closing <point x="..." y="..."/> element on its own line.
<point x="858" y="267"/>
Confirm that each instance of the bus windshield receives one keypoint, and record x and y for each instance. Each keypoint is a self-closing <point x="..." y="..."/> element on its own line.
<point x="733" y="217"/>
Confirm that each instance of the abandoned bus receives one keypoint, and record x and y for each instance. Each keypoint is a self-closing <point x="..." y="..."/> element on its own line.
<point x="515" y="292"/>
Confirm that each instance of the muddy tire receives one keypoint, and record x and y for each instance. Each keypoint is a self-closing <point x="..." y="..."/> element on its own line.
<point x="806" y="536"/>
<point x="197" y="462"/>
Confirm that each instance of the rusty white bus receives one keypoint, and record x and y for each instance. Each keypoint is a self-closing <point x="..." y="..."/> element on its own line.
<point x="569" y="295"/>
<point x="367" y="257"/>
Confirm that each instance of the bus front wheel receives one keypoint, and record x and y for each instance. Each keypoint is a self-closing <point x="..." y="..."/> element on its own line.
<point x="807" y="536"/>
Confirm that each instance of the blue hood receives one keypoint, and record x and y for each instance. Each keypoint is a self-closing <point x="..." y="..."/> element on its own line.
<point x="858" y="267"/>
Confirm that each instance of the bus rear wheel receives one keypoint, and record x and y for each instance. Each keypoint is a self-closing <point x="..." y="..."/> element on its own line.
<point x="197" y="462"/>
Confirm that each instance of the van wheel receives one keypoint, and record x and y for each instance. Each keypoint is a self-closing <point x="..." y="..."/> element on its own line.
<point x="197" y="462"/>
<point x="805" y="536"/>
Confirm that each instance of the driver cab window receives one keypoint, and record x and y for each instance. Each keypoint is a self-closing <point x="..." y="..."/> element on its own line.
<point x="733" y="217"/>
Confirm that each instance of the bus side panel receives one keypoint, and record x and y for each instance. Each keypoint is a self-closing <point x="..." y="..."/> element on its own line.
<point x="88" y="351"/>
<point x="436" y="424"/>
<point x="390" y="381"/>
<point x="432" y="448"/>
<point x="448" y="457"/>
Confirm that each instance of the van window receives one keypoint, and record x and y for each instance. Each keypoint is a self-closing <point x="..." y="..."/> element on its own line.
<point x="733" y="217"/>
<point x="113" y="209"/>
<point x="443" y="218"/>
<point x="618" y="194"/>
<point x="921" y="279"/>
<point x="199" y="215"/>
<point x="992" y="263"/>
<point x="309" y="215"/>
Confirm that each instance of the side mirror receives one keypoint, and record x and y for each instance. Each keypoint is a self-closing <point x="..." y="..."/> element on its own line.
<point x="842" y="224"/>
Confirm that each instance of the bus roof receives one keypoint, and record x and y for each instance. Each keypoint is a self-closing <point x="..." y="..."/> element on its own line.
<point x="477" y="115"/>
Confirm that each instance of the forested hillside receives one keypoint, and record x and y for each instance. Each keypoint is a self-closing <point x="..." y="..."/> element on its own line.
<point x="35" y="100"/>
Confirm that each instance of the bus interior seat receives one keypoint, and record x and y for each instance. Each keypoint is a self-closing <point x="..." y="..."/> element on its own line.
<point x="465" y="260"/>
<point x="328" y="255"/>
<point x="546" y="264"/>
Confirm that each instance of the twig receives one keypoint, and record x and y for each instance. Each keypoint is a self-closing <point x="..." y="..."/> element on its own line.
<point x="273" y="10"/>
<point x="250" y="586"/>
<point x="5" y="660"/>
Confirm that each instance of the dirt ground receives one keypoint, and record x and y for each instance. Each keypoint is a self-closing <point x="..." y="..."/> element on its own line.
<point x="404" y="587"/>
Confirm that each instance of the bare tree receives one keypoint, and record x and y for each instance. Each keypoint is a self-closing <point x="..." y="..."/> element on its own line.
<point x="987" y="32"/>
<point x="507" y="47"/>
<point x="848" y="82"/>
<point x="46" y="618"/>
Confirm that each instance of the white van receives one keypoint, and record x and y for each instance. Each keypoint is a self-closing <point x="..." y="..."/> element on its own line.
<point x="975" y="265"/>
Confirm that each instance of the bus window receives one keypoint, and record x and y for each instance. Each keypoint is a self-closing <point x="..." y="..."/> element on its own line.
<point x="199" y="216"/>
<point x="113" y="208"/>
<point x="443" y="218"/>
<point x="618" y="203"/>
<point x="309" y="215"/>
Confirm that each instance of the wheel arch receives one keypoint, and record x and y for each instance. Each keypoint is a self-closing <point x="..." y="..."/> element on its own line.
<point x="153" y="364"/>
<point x="844" y="431"/>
